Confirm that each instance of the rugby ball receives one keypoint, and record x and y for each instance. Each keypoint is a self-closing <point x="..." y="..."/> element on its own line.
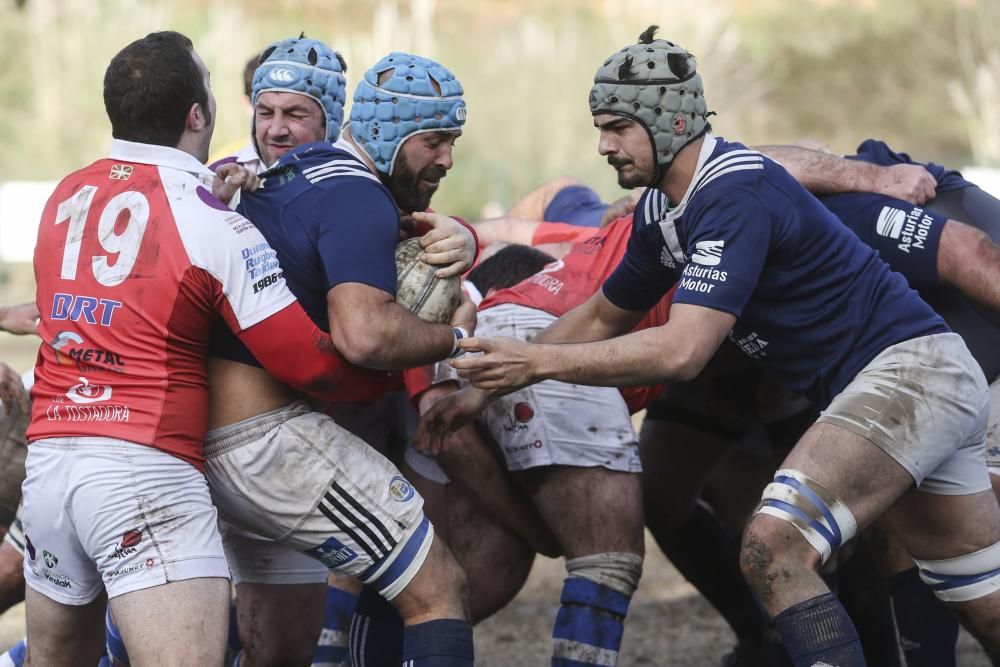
<point x="418" y="290"/>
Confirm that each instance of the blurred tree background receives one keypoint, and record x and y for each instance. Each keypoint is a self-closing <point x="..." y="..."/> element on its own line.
<point x="922" y="74"/>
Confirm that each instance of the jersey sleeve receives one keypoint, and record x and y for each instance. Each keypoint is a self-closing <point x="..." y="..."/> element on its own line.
<point x="356" y="234"/>
<point x="234" y="252"/>
<point x="906" y="236"/>
<point x="727" y="246"/>
<point x="641" y="278"/>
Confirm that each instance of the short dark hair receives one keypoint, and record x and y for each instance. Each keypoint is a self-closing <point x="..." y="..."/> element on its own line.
<point x="248" y="71"/>
<point x="507" y="267"/>
<point x="149" y="87"/>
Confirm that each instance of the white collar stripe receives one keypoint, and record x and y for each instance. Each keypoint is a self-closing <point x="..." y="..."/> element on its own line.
<point x="736" y="167"/>
<point x="333" y="163"/>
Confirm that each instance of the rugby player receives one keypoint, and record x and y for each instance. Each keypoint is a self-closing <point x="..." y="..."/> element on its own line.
<point x="301" y="493"/>
<point x="573" y="451"/>
<point x="756" y="257"/>
<point x="135" y="256"/>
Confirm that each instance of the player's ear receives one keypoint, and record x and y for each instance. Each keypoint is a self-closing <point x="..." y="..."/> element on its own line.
<point x="196" y="118"/>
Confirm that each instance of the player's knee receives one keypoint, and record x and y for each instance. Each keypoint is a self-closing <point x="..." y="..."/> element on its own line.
<point x="800" y="504"/>
<point x="440" y="588"/>
<point x="963" y="578"/>
<point x="289" y="648"/>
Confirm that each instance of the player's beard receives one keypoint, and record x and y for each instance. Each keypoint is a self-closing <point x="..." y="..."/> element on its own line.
<point x="410" y="188"/>
<point x="633" y="179"/>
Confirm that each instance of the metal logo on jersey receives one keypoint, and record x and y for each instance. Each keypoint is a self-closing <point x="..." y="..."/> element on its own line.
<point x="282" y="75"/>
<point x="708" y="253"/>
<point x="88" y="393"/>
<point x="890" y="222"/>
<point x="400" y="489"/>
<point x="120" y="172"/>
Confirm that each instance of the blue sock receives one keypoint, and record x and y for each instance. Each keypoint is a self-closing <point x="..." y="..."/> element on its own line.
<point x="440" y="643"/>
<point x="589" y="625"/>
<point x="14" y="657"/>
<point x="376" y="638"/>
<point x="332" y="650"/>
<point x="927" y="630"/>
<point x="113" y="641"/>
<point x="819" y="630"/>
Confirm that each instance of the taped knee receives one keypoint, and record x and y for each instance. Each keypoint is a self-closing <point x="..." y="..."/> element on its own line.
<point x="965" y="577"/>
<point x="619" y="571"/>
<point x="822" y="518"/>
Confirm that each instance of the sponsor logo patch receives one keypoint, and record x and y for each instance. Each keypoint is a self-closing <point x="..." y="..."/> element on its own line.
<point x="88" y="309"/>
<point x="88" y="393"/>
<point x="523" y="412"/>
<point x="708" y="253"/>
<point x="400" y="489"/>
<point x="333" y="553"/>
<point x="890" y="222"/>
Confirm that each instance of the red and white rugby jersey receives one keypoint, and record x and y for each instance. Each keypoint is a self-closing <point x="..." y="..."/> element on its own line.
<point x="135" y="258"/>
<point x="570" y="281"/>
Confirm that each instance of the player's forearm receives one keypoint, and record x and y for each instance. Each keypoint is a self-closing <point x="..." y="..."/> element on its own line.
<point x="595" y="319"/>
<point x="644" y="357"/>
<point x="392" y="339"/>
<point x="824" y="173"/>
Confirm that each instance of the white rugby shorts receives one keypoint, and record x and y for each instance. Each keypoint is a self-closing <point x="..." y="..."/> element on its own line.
<point x="555" y="423"/>
<point x="106" y="513"/>
<point x="925" y="403"/>
<point x="295" y="477"/>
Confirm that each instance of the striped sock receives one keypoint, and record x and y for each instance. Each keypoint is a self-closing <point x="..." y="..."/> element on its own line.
<point x="589" y="625"/>
<point x="332" y="648"/>
<point x="818" y="630"/>
<point x="376" y="636"/>
<point x="113" y="641"/>
<point x="14" y="657"/>
<point x="440" y="643"/>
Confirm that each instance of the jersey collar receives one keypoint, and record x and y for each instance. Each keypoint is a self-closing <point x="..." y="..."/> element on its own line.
<point x="671" y="214"/>
<point x="161" y="156"/>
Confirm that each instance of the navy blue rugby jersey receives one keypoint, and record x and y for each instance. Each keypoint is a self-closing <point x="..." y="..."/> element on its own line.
<point x="329" y="220"/>
<point x="907" y="237"/>
<point x="813" y="303"/>
<point x="878" y="152"/>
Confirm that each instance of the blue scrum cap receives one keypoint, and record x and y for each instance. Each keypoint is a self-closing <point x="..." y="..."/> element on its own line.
<point x="419" y="95"/>
<point x="307" y="67"/>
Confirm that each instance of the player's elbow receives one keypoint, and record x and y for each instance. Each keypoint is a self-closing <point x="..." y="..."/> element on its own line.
<point x="683" y="366"/>
<point x="358" y="344"/>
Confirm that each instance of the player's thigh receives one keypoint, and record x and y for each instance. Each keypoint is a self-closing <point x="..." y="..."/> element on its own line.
<point x="589" y="510"/>
<point x="916" y="414"/>
<point x="295" y="476"/>
<point x="61" y="634"/>
<point x="179" y="623"/>
<point x="496" y="562"/>
<point x="280" y="622"/>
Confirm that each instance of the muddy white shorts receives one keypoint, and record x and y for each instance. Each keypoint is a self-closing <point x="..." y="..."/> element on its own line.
<point x="295" y="477"/>
<point x="925" y="403"/>
<point x="993" y="430"/>
<point x="555" y="423"/>
<point x="100" y="512"/>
